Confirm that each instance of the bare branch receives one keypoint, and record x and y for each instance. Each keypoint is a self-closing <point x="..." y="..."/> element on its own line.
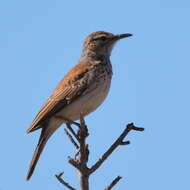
<point x="82" y="121"/>
<point x="71" y="139"/>
<point x="64" y="182"/>
<point x="74" y="163"/>
<point x="113" y="183"/>
<point x="72" y="131"/>
<point x="83" y="155"/>
<point x="78" y="139"/>
<point x="118" y="142"/>
<point x="83" y="133"/>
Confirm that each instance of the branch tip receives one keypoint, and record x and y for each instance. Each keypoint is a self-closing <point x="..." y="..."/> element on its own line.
<point x="131" y="126"/>
<point x="60" y="174"/>
<point x="125" y="143"/>
<point x="113" y="183"/>
<point x="64" y="182"/>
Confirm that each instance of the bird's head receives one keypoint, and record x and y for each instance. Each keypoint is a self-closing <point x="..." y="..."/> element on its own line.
<point x="102" y="42"/>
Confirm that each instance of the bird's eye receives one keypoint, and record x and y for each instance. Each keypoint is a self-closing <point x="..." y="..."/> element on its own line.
<point x="103" y="38"/>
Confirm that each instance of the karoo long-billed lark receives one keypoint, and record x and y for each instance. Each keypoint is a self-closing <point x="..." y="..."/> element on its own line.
<point x="81" y="91"/>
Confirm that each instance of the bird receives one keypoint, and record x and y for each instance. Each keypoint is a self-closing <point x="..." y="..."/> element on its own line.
<point x="81" y="91"/>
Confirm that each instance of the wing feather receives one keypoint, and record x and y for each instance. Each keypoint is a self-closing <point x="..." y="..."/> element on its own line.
<point x="68" y="90"/>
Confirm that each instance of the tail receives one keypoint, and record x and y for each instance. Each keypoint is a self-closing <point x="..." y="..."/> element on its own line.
<point x="41" y="144"/>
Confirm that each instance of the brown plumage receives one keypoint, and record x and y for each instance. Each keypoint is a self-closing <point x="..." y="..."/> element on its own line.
<point x="81" y="91"/>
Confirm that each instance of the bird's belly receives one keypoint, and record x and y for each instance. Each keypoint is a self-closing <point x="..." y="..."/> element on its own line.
<point x="86" y="103"/>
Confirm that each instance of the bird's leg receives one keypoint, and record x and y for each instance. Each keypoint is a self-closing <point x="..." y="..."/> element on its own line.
<point x="67" y="120"/>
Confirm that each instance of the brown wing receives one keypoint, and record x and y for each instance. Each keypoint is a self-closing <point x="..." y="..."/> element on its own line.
<point x="69" y="89"/>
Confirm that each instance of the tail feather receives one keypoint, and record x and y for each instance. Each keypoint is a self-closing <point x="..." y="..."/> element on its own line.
<point x="36" y="156"/>
<point x="46" y="133"/>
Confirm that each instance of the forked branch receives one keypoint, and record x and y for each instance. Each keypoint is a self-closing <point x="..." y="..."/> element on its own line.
<point x="117" y="143"/>
<point x="78" y="139"/>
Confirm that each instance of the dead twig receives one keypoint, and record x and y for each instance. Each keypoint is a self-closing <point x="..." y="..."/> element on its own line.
<point x="64" y="182"/>
<point x="74" y="163"/>
<point x="71" y="139"/>
<point x="113" y="183"/>
<point x="72" y="131"/>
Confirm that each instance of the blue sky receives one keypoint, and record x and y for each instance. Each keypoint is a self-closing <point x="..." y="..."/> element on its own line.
<point x="41" y="40"/>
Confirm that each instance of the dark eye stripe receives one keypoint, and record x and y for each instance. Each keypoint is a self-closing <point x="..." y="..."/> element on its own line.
<point x="103" y="38"/>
